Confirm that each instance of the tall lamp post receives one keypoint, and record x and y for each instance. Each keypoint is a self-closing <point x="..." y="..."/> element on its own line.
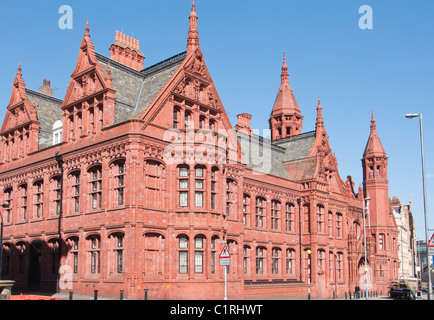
<point x="364" y="237"/>
<point x="410" y="116"/>
<point x="1" y="239"/>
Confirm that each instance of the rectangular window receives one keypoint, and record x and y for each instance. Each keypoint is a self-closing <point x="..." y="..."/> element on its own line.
<point x="96" y="188"/>
<point x="198" y="262"/>
<point x="183" y="199"/>
<point x="120" y="185"/>
<point x="199" y="199"/>
<point x="183" y="262"/>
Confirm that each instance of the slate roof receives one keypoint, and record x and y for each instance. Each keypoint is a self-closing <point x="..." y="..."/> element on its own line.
<point x="48" y="110"/>
<point x="297" y="147"/>
<point x="289" y="157"/>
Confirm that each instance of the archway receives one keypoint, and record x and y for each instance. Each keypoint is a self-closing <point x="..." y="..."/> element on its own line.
<point x="35" y="265"/>
<point x="365" y="275"/>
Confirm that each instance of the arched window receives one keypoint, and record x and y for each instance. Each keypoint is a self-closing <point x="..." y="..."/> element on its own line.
<point x="23" y="201"/>
<point x="72" y="243"/>
<point x="94" y="247"/>
<point x="260" y="212"/>
<point x="330" y="224"/>
<point x="117" y="245"/>
<point x="183" y="254"/>
<point x="176" y="117"/>
<point x="339" y="225"/>
<point x="74" y="182"/>
<point x="38" y="187"/>
<point x="246" y="210"/>
<point x="199" y="186"/>
<point x="320" y="218"/>
<point x="290" y="266"/>
<point x="118" y="174"/>
<point x="183" y="185"/>
<point x="54" y="255"/>
<point x="155" y="184"/>
<point x="8" y="201"/>
<point x="95" y="182"/>
<point x="56" y="195"/>
<point x="289" y="217"/>
<point x="214" y="187"/>
<point x="275" y="214"/>
<point x="199" y="247"/>
<point x="381" y="242"/>
<point x="275" y="260"/>
<point x="154" y="255"/>
<point x="260" y="257"/>
<point x="231" y="187"/>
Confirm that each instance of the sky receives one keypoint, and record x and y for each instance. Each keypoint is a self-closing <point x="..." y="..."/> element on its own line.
<point x="388" y="69"/>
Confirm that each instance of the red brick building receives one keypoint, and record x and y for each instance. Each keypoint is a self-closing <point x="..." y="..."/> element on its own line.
<point x="141" y="175"/>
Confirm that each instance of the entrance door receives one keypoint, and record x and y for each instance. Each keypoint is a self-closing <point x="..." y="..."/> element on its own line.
<point x="35" y="265"/>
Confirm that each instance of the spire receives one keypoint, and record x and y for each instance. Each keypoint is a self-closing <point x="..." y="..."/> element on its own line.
<point x="285" y="74"/>
<point x="193" y="34"/>
<point x="374" y="146"/>
<point x="285" y="101"/>
<point x="87" y="34"/>
<point x="319" y="118"/>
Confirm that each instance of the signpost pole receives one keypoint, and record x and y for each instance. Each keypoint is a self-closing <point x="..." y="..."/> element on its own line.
<point x="225" y="262"/>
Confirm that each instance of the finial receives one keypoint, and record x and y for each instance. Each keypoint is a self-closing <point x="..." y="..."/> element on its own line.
<point x="19" y="67"/>
<point x="87" y="29"/>
<point x="285" y="74"/>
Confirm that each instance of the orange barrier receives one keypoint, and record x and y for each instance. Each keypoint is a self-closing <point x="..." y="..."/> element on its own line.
<point x="25" y="297"/>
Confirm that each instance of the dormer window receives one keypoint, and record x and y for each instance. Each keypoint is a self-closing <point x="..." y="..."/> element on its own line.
<point x="57" y="132"/>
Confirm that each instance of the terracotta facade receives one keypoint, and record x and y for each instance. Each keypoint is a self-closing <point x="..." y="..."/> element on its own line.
<point x="141" y="175"/>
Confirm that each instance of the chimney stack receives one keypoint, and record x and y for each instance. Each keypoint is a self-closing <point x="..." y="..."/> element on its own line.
<point x="126" y="50"/>
<point x="244" y="123"/>
<point x="46" y="88"/>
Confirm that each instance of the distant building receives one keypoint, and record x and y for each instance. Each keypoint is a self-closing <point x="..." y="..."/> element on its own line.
<point x="406" y="238"/>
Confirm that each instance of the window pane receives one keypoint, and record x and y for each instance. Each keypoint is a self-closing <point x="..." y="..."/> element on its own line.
<point x="183" y="199"/>
<point x="199" y="199"/>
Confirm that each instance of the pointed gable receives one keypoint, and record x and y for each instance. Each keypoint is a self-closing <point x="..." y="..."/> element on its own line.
<point x="89" y="103"/>
<point x="20" y="130"/>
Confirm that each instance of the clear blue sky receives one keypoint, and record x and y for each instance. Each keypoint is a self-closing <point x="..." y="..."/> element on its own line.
<point x="389" y="69"/>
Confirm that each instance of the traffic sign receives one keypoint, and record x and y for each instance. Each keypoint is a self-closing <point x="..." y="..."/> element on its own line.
<point x="225" y="253"/>
<point x="431" y="242"/>
<point x="431" y="251"/>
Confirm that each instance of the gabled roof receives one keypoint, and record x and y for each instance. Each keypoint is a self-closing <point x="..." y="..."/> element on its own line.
<point x="135" y="90"/>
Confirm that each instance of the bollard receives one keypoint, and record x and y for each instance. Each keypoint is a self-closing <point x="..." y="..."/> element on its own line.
<point x="349" y="294"/>
<point x="122" y="295"/>
<point x="70" y="295"/>
<point x="334" y="295"/>
<point x="146" y="294"/>
<point x="346" y="295"/>
<point x="95" y="294"/>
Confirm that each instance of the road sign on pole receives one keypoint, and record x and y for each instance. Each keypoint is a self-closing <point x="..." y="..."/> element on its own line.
<point x="430" y="246"/>
<point x="225" y="253"/>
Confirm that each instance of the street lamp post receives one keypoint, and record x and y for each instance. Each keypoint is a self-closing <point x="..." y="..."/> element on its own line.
<point x="366" y="257"/>
<point x="410" y="116"/>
